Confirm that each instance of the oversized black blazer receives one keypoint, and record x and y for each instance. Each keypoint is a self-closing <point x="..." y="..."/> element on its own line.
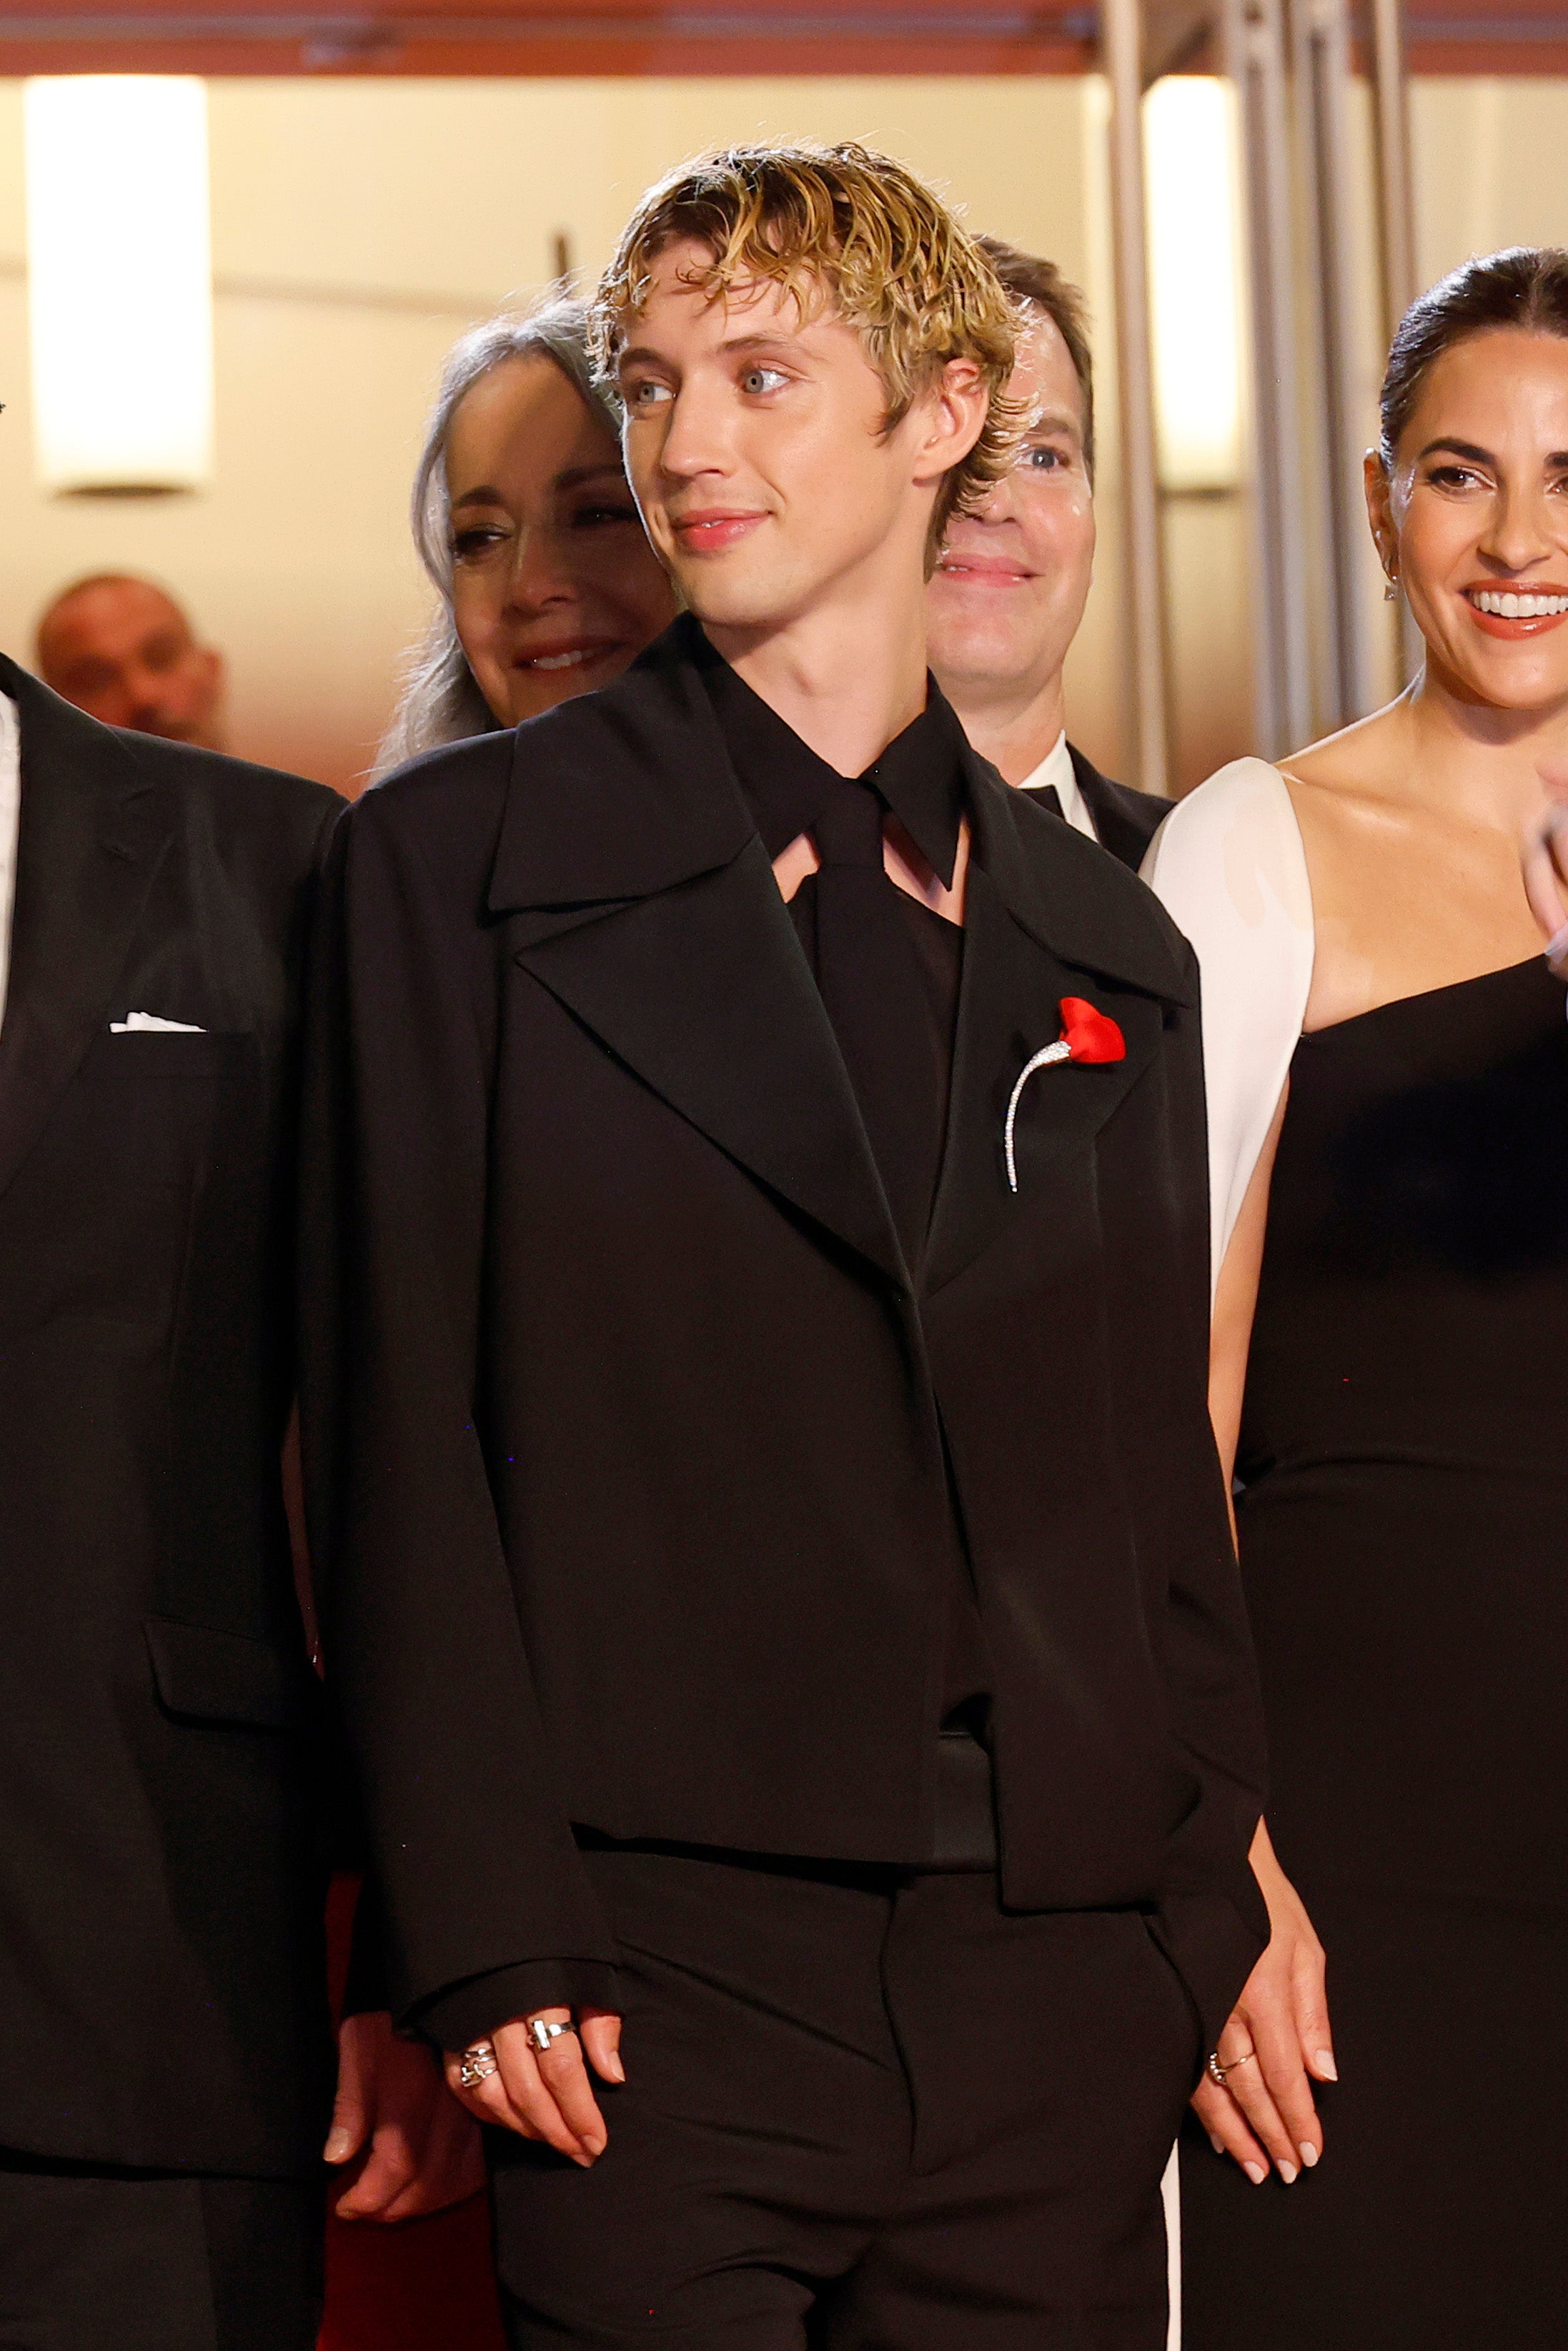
<point x="1125" y="822"/>
<point x="161" y="1971"/>
<point x="628" y="1432"/>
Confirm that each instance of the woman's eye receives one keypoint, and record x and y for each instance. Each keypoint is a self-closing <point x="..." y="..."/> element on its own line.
<point x="468" y="545"/>
<point x="1043" y="460"/>
<point x="762" y="379"/>
<point x="1453" y="477"/>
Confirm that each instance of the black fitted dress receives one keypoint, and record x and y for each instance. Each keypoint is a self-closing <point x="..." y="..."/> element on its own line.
<point x="1403" y="1531"/>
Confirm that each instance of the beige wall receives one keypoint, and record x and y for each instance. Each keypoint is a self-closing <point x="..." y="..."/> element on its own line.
<point x="356" y="227"/>
<point x="357" y="224"/>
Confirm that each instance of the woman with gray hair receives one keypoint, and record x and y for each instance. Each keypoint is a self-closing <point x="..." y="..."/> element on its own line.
<point x="523" y="520"/>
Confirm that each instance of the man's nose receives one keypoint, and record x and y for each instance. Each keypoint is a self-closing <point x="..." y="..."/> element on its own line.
<point x="148" y="693"/>
<point x="695" y="441"/>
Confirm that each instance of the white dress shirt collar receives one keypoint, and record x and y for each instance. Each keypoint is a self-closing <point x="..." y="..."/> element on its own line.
<point x="1056" y="770"/>
<point x="10" y="823"/>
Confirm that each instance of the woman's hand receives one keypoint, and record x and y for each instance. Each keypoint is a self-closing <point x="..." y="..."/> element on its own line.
<point x="1275" y="2044"/>
<point x="544" y="2093"/>
<point x="422" y="2150"/>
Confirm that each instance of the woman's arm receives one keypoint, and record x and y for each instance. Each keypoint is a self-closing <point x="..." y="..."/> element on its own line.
<point x="1235" y="1300"/>
<point x="1277" y="2038"/>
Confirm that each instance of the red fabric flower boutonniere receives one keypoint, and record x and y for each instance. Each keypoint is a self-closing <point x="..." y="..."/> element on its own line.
<point x="1087" y="1035"/>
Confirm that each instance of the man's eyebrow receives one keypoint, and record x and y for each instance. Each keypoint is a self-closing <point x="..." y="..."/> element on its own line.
<point x="781" y="340"/>
<point x="1056" y="420"/>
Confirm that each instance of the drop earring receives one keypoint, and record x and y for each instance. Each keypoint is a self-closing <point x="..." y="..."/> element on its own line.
<point x="1392" y="590"/>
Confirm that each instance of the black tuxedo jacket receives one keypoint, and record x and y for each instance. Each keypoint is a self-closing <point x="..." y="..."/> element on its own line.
<point x="628" y="1436"/>
<point x="160" y="1977"/>
<point x="1125" y="820"/>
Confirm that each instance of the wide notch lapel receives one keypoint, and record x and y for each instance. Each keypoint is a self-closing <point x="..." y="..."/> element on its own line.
<point x="94" y="827"/>
<point x="638" y="892"/>
<point x="1038" y="925"/>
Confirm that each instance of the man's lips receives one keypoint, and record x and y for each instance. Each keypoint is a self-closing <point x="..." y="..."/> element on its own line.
<point x="565" y="652"/>
<point x="713" y="528"/>
<point x="992" y="570"/>
<point x="1515" y="612"/>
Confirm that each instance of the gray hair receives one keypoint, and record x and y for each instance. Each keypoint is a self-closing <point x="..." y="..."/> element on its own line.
<point x="439" y="699"/>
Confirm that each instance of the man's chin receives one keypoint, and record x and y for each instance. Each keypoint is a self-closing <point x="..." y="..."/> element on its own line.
<point x="718" y="603"/>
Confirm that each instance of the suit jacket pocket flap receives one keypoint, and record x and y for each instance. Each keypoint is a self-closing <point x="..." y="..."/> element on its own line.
<point x="226" y="1677"/>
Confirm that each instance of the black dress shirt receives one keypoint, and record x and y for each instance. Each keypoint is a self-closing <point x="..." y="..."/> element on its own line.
<point x="920" y="777"/>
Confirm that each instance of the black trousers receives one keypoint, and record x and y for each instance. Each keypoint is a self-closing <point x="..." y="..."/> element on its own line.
<point x="131" y="2261"/>
<point x="863" y="2112"/>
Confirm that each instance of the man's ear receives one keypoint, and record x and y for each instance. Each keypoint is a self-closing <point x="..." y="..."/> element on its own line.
<point x="951" y="417"/>
<point x="216" y="679"/>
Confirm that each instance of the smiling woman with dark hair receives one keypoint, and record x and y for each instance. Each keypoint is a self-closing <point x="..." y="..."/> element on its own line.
<point x="1388" y="1097"/>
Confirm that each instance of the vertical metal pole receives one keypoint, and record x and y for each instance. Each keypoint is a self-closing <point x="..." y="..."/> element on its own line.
<point x="1143" y="556"/>
<point x="1321" y="41"/>
<point x="1395" y="221"/>
<point x="1396" y="210"/>
<point x="1254" y="57"/>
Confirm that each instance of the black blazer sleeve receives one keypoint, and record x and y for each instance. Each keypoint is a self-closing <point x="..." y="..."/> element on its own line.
<point x="420" y="1632"/>
<point x="1211" y="1915"/>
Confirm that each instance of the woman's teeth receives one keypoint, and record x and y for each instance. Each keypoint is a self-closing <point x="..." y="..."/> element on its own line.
<point x="555" y="661"/>
<point x="1505" y="607"/>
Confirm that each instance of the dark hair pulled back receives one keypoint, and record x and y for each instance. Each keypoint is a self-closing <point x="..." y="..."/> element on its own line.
<point x="1526" y="286"/>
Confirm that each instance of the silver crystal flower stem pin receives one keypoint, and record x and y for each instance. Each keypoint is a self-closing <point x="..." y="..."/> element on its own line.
<point x="1060" y="1051"/>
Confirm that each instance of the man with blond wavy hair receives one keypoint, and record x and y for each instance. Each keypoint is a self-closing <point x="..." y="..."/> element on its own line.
<point x="775" y="1561"/>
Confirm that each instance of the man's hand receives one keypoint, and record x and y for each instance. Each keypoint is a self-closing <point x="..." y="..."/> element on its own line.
<point x="424" y="2149"/>
<point x="546" y="2093"/>
<point x="1276" y="2043"/>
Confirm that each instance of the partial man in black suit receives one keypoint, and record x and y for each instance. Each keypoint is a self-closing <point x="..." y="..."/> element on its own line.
<point x="777" y="1567"/>
<point x="165" y="2062"/>
<point x="1008" y="595"/>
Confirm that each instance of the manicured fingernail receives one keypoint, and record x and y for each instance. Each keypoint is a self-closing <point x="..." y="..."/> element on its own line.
<point x="1256" y="2172"/>
<point x="1308" y="2153"/>
<point x="1289" y="2173"/>
<point x="1217" y="2144"/>
<point x="1326" y="2066"/>
<point x="1557" y="945"/>
<point x="617" y="2071"/>
<point x="339" y="2148"/>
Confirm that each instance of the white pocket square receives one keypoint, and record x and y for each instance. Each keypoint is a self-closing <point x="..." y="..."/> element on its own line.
<point x="134" y="1021"/>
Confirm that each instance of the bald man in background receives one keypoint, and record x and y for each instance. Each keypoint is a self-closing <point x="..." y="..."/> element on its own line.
<point x="123" y="651"/>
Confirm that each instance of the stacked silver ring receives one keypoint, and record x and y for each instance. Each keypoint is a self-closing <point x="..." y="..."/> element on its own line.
<point x="477" y="2064"/>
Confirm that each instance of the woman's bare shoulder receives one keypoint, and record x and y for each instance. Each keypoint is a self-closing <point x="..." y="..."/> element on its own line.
<point x="1359" y="763"/>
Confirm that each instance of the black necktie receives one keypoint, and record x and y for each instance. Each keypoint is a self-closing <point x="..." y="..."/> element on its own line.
<point x="1049" y="797"/>
<point x="869" y="975"/>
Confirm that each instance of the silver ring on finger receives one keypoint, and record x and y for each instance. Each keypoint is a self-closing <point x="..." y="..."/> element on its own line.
<point x="545" y="2036"/>
<point x="477" y="2064"/>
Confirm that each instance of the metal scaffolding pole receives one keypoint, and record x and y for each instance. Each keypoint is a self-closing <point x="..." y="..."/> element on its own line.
<point x="1321" y="57"/>
<point x="1143" y="558"/>
<point x="1395" y="221"/>
<point x="1253" y="49"/>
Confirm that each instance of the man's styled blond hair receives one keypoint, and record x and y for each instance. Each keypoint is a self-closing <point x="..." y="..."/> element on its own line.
<point x="849" y="231"/>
